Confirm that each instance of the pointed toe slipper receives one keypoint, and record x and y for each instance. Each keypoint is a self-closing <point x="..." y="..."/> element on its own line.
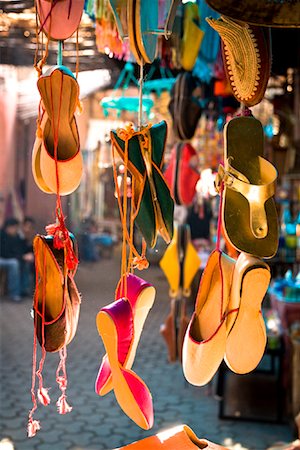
<point x="247" y="339"/>
<point x="154" y="205"/>
<point x="205" y="339"/>
<point x="115" y="326"/>
<point x="59" y="93"/>
<point x="59" y="19"/>
<point x="56" y="300"/>
<point x="249" y="212"/>
<point x="141" y="296"/>
<point x="180" y="437"/>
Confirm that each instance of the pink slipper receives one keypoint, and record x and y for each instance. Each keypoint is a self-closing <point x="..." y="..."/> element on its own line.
<point x="59" y="19"/>
<point x="140" y="295"/>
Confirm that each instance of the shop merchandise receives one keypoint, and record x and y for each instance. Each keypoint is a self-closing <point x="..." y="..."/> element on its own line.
<point x="115" y="325"/>
<point x="57" y="160"/>
<point x="56" y="310"/>
<point x="246" y="340"/>
<point x="180" y="437"/>
<point x="153" y="204"/>
<point x="205" y="340"/>
<point x="182" y="174"/>
<point x="273" y="14"/>
<point x="192" y="36"/>
<point x="249" y="213"/>
<point x="180" y="264"/>
<point x="57" y="169"/>
<point x="247" y="58"/>
<point x="185" y="105"/>
<point x="59" y="19"/>
<point x="140" y="295"/>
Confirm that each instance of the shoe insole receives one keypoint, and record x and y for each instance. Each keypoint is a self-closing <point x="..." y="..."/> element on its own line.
<point x="246" y="341"/>
<point x="59" y="93"/>
<point x="244" y="143"/>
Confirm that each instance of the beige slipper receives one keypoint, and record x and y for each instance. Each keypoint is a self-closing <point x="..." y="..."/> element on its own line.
<point x="247" y="339"/>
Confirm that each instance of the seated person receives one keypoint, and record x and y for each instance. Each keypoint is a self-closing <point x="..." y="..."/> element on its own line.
<point x="15" y="258"/>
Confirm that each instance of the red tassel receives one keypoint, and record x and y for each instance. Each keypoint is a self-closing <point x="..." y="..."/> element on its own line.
<point x="33" y="427"/>
<point x="43" y="396"/>
<point x="61" y="239"/>
<point x="62" y="405"/>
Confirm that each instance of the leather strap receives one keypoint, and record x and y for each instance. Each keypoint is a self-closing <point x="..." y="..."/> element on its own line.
<point x="256" y="194"/>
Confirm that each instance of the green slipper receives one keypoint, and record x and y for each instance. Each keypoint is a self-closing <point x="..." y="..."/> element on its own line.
<point x="154" y="205"/>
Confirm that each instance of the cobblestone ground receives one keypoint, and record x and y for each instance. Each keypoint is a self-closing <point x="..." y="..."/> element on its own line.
<point x="97" y="422"/>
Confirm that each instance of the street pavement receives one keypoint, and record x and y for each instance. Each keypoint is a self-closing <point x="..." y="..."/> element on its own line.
<point x="95" y="422"/>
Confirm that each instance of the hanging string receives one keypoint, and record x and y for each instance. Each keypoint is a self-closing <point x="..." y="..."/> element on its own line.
<point x="141" y="84"/>
<point x="61" y="378"/>
<point x="60" y="53"/>
<point x="219" y="226"/>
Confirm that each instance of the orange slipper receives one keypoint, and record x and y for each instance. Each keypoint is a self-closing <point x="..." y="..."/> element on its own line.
<point x="205" y="339"/>
<point x="59" y="93"/>
<point x="180" y="437"/>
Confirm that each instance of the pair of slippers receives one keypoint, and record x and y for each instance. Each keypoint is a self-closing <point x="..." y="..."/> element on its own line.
<point x="59" y="19"/>
<point x="227" y="321"/>
<point x="56" y="301"/>
<point x="120" y="326"/>
<point x="153" y="203"/>
<point x="56" y="158"/>
<point x="180" y="263"/>
<point x="139" y="20"/>
<point x="180" y="437"/>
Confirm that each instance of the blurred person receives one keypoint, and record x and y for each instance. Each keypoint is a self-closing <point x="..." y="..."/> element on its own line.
<point x="27" y="231"/>
<point x="15" y="259"/>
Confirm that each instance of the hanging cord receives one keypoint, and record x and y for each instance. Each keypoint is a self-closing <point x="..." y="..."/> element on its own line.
<point x="38" y="65"/>
<point x="62" y="380"/>
<point x="42" y="393"/>
<point x="141" y="84"/>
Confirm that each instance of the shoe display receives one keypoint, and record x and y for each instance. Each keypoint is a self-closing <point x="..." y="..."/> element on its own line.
<point x="56" y="301"/>
<point x="246" y="340"/>
<point x="59" y="19"/>
<point x="60" y="139"/>
<point x="205" y="340"/>
<point x="115" y="325"/>
<point x="249" y="214"/>
<point x="154" y="205"/>
<point x="140" y="295"/>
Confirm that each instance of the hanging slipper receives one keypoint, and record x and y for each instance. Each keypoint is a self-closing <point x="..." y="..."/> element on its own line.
<point x="192" y="36"/>
<point x="180" y="437"/>
<point x="115" y="325"/>
<point x="247" y="58"/>
<point x="249" y="213"/>
<point x="284" y="13"/>
<point x="140" y="295"/>
<point x="57" y="301"/>
<point x="119" y="9"/>
<point x="180" y="262"/>
<point x="154" y="205"/>
<point x="131" y="20"/>
<point x="146" y="27"/>
<point x="182" y="174"/>
<point x="205" y="339"/>
<point x="59" y="19"/>
<point x="60" y="139"/>
<point x="246" y="341"/>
